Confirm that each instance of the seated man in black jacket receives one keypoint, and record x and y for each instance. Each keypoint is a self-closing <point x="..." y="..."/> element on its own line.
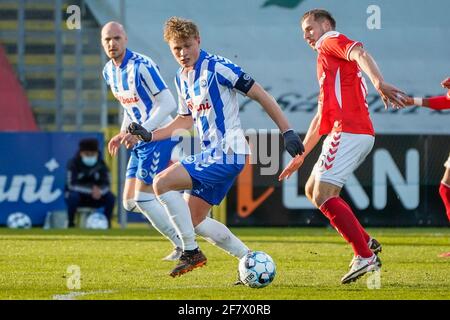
<point x="88" y="181"/>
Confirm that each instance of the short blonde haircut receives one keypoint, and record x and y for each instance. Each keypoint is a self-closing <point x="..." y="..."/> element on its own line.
<point x="177" y="28"/>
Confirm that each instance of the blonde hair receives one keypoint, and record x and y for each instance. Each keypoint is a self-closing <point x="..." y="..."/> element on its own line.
<point x="177" y="28"/>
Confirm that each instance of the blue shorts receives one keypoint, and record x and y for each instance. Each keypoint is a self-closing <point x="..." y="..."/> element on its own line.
<point x="213" y="174"/>
<point x="149" y="158"/>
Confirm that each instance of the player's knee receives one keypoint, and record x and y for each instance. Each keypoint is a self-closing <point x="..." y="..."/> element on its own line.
<point x="196" y="220"/>
<point x="318" y="198"/>
<point x="130" y="205"/>
<point x="161" y="184"/>
<point x="158" y="184"/>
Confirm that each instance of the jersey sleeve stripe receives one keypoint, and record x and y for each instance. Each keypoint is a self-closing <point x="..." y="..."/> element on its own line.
<point x="144" y="83"/>
<point x="350" y="49"/>
<point x="231" y="72"/>
<point x="224" y="81"/>
<point x="145" y="98"/>
<point x="157" y="80"/>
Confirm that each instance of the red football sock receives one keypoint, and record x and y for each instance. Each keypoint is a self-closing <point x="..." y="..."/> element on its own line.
<point x="363" y="231"/>
<point x="343" y="219"/>
<point x="444" y="191"/>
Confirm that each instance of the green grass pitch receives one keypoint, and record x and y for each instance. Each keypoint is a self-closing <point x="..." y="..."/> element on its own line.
<point x="126" y="264"/>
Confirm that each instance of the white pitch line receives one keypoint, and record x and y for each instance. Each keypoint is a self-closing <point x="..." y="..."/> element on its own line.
<point x="74" y="294"/>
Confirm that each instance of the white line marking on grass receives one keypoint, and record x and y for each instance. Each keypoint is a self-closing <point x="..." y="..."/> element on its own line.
<point x="75" y="294"/>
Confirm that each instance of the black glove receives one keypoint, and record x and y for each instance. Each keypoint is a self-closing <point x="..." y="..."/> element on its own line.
<point x="137" y="130"/>
<point x="292" y="143"/>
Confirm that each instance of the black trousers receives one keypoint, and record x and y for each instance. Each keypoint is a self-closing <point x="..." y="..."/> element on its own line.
<point x="77" y="199"/>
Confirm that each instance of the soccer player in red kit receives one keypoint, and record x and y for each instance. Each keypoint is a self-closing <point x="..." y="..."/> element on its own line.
<point x="439" y="103"/>
<point x="343" y="116"/>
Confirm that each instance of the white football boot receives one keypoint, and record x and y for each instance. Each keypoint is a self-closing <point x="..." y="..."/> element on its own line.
<point x="360" y="267"/>
<point x="374" y="246"/>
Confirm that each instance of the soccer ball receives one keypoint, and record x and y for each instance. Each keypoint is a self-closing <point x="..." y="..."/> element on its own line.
<point x="257" y="269"/>
<point x="97" y="220"/>
<point x="18" y="220"/>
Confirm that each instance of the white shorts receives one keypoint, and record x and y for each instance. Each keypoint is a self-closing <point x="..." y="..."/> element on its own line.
<point x="447" y="163"/>
<point x="342" y="153"/>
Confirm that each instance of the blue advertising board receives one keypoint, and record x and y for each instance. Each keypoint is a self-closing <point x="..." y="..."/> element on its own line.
<point x="33" y="171"/>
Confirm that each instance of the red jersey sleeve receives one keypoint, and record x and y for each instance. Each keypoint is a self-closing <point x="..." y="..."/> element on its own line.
<point x="439" y="103"/>
<point x="339" y="46"/>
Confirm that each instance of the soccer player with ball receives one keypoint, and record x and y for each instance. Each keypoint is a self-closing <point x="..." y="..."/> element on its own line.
<point x="207" y="87"/>
<point x="343" y="117"/>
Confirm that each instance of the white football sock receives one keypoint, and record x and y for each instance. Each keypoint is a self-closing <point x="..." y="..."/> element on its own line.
<point x="152" y="209"/>
<point x="219" y="235"/>
<point x="178" y="210"/>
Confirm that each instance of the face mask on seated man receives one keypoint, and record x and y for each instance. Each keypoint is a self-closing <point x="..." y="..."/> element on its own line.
<point x="89" y="158"/>
<point x="89" y="152"/>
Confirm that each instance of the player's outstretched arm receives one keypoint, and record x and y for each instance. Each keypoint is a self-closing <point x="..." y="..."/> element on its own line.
<point x="436" y="103"/>
<point x="180" y="122"/>
<point x="311" y="139"/>
<point x="389" y="94"/>
<point x="163" y="107"/>
<point x="292" y="141"/>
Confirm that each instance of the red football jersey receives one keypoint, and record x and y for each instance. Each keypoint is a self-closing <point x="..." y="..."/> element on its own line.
<point x="343" y="89"/>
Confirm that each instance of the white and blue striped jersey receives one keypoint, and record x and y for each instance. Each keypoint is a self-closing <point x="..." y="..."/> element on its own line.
<point x="209" y="94"/>
<point x="135" y="83"/>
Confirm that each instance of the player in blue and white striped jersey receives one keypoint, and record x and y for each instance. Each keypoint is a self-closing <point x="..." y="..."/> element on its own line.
<point x="207" y="88"/>
<point x="136" y="82"/>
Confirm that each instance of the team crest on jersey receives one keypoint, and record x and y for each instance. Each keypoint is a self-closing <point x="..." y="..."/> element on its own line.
<point x="203" y="83"/>
<point x="143" y="173"/>
<point x="190" y="159"/>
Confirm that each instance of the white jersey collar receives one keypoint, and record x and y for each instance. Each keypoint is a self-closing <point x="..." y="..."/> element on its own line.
<point x="324" y="36"/>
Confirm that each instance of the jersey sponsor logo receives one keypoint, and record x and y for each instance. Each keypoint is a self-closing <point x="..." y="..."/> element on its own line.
<point x="126" y="100"/>
<point x="199" y="107"/>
